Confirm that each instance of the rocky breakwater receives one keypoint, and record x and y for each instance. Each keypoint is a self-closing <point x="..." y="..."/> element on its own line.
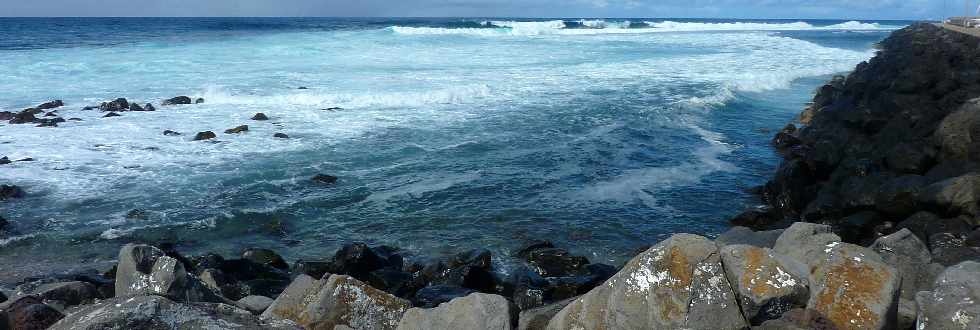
<point x="803" y="277"/>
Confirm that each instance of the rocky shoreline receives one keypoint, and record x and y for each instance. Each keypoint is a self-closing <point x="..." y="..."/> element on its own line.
<point x="883" y="172"/>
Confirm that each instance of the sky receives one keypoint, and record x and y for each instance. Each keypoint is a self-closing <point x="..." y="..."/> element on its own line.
<point x="836" y="9"/>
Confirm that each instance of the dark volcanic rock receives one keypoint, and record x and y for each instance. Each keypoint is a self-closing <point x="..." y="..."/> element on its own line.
<point x="280" y="135"/>
<point x="757" y="219"/>
<point x="265" y="257"/>
<point x="171" y="133"/>
<point x="10" y="191"/>
<point x="136" y="107"/>
<point x="119" y="104"/>
<point x="199" y="101"/>
<point x="432" y="296"/>
<point x="314" y="269"/>
<point x="4" y="160"/>
<point x="206" y="135"/>
<point x="326" y="179"/>
<point x="29" y="313"/>
<point x="51" y="105"/>
<point x="149" y="107"/>
<point x="556" y="262"/>
<point x="23" y="117"/>
<point x="357" y="260"/>
<point x="236" y="130"/>
<point x="177" y="100"/>
<point x="260" y="116"/>
<point x="6" y="115"/>
<point x="111" y="114"/>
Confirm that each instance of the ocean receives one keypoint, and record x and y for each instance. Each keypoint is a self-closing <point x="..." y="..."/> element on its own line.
<point x="602" y="136"/>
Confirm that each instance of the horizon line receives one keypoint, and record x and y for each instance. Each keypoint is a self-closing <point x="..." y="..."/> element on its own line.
<point x="490" y="17"/>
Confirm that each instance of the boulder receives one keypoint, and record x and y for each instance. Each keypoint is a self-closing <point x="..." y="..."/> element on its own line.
<point x="357" y="260"/>
<point x="312" y="268"/>
<point x="159" y="313"/>
<point x="337" y="300"/>
<point x="50" y="105"/>
<point x="69" y="293"/>
<point x="954" y="302"/>
<point x="280" y="136"/>
<point x="144" y="270"/>
<point x="119" y="104"/>
<point x="910" y="256"/>
<point x="799" y="319"/>
<point x="757" y="219"/>
<point x="537" y="318"/>
<point x="255" y="304"/>
<point x="10" y="192"/>
<point x="527" y="247"/>
<point x="900" y="196"/>
<point x="23" y="117"/>
<point x="136" y="107"/>
<point x="854" y="289"/>
<point x="29" y="313"/>
<point x="556" y="262"/>
<point x="767" y="284"/>
<point x="477" y="311"/>
<point x="480" y="258"/>
<point x="260" y="116"/>
<point x="678" y="283"/>
<point x="955" y="195"/>
<point x="433" y="295"/>
<point x="559" y="288"/>
<point x="265" y="257"/>
<point x="806" y="242"/>
<point x="237" y="130"/>
<point x="6" y="115"/>
<point x="198" y="100"/>
<point x="206" y="135"/>
<point x="743" y="235"/>
<point x="177" y="100"/>
<point x="111" y="114"/>
<point x="149" y="107"/>
<point x="950" y="249"/>
<point x="958" y="135"/>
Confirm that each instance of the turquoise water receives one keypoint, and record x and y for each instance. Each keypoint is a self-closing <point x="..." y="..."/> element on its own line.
<point x="602" y="136"/>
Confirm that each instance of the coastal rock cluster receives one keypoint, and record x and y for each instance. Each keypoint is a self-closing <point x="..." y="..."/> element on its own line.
<point x="808" y="278"/>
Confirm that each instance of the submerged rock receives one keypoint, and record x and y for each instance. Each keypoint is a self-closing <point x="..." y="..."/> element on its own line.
<point x="51" y="105"/>
<point x="111" y="114"/>
<point x="556" y="262"/>
<point x="236" y="130"/>
<point x="679" y="283"/>
<point x="475" y="311"/>
<point x="260" y="116"/>
<point x="280" y="135"/>
<point x="171" y="133"/>
<point x="199" y="100"/>
<point x="325" y="179"/>
<point x="10" y="192"/>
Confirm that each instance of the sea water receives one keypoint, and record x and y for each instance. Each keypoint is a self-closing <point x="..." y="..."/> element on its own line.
<point x="602" y="136"/>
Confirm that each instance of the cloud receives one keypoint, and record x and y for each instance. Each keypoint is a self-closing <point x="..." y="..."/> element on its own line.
<point x="898" y="9"/>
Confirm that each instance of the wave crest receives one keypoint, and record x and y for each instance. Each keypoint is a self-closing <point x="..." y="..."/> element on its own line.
<point x="597" y="26"/>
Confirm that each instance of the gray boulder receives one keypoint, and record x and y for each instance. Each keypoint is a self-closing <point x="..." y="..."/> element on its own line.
<point x="29" y="313"/>
<point x="806" y="242"/>
<point x="337" y="300"/>
<point x="159" y="313"/>
<point x="950" y="249"/>
<point x="854" y="289"/>
<point x="678" y="283"/>
<point x="767" y="284"/>
<point x="537" y="318"/>
<point x="955" y="195"/>
<point x="744" y="235"/>
<point x="145" y="270"/>
<point x="954" y="303"/>
<point x="255" y="304"/>
<point x="910" y="256"/>
<point x="477" y="311"/>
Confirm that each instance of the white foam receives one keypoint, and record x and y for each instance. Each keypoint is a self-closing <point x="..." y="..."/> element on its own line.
<point x="599" y="27"/>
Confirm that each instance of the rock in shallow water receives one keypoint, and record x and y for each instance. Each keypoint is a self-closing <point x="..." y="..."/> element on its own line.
<point x="10" y="191"/>
<point x="237" y="130"/>
<point x="260" y="116"/>
<point x="144" y="269"/>
<point x="206" y="135"/>
<point x="679" y="283"/>
<point x="177" y="100"/>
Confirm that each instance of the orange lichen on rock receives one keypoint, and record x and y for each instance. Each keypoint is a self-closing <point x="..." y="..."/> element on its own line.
<point x="849" y="288"/>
